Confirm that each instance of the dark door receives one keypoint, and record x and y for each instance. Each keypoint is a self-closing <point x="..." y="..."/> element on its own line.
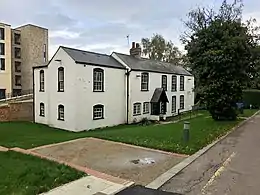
<point x="2" y="93"/>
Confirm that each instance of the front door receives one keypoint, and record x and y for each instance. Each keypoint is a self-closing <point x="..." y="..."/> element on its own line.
<point x="2" y="93"/>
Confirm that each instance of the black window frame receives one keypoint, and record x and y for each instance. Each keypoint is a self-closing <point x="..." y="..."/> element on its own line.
<point x="174" y="97"/>
<point x="61" y="116"/>
<point x="2" y="64"/>
<point x="17" y="38"/>
<point x="182" y="105"/>
<point x="2" y="49"/>
<point x="17" y="50"/>
<point x="45" y="53"/>
<point x="15" y="78"/>
<point x="2" y="33"/>
<point x="164" y="85"/>
<point x="174" y="83"/>
<point x="146" y="84"/>
<point x="137" y="104"/>
<point x="61" y="85"/>
<point x="181" y="83"/>
<point x="42" y="109"/>
<point x="146" y="111"/>
<point x="16" y="64"/>
<point x="96" y="82"/>
<point x="98" y="106"/>
<point x="42" y="80"/>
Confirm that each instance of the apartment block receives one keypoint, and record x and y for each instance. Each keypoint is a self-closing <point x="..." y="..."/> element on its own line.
<point x="21" y="49"/>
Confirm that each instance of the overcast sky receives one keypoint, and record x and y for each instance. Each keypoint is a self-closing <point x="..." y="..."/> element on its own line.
<point x="102" y="25"/>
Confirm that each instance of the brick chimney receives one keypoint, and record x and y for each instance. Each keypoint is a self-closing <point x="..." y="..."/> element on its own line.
<point x="136" y="50"/>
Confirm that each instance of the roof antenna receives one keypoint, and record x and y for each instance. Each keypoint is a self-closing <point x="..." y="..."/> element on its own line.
<point x="128" y="40"/>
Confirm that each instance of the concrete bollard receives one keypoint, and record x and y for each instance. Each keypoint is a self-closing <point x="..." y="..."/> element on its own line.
<point x="186" y="131"/>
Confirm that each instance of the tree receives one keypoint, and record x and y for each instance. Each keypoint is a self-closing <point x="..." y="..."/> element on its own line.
<point x="158" y="48"/>
<point x="220" y="51"/>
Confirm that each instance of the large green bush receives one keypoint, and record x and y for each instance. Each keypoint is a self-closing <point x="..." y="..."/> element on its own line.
<point x="251" y="96"/>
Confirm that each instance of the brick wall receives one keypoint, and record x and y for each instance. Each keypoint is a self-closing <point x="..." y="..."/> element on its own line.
<point x="19" y="111"/>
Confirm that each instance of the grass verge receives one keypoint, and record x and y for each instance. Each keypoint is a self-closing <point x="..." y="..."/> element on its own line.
<point x="27" y="175"/>
<point x="168" y="137"/>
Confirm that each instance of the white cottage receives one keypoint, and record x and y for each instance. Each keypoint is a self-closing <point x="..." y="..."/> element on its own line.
<point x="80" y="90"/>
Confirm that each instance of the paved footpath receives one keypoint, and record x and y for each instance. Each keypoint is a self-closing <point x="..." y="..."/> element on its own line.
<point x="231" y="167"/>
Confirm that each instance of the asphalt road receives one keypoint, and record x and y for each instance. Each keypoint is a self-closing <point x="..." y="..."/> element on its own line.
<point x="231" y="167"/>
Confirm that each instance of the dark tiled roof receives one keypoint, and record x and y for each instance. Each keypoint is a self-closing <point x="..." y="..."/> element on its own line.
<point x="144" y="64"/>
<point x="86" y="57"/>
<point x="159" y="95"/>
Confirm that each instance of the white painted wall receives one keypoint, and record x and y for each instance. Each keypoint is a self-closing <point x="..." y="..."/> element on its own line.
<point x="113" y="98"/>
<point x="136" y="95"/>
<point x="52" y="98"/>
<point x="78" y="97"/>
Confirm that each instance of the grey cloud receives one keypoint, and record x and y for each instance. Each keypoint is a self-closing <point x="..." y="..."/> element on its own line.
<point x="107" y="22"/>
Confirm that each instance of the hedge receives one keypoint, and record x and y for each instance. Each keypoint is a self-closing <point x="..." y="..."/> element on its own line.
<point x="251" y="96"/>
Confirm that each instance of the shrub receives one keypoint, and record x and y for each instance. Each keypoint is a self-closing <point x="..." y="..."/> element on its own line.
<point x="145" y="122"/>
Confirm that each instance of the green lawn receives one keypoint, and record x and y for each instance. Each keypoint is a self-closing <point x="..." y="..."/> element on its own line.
<point x="22" y="174"/>
<point x="248" y="112"/>
<point x="165" y="137"/>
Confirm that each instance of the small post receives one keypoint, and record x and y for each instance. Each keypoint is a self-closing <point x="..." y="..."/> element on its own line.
<point x="186" y="131"/>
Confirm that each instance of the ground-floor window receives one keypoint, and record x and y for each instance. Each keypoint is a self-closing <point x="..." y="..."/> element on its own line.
<point x="137" y="109"/>
<point x="146" y="106"/>
<point x="163" y="108"/>
<point x="42" y="112"/>
<point x="182" y="102"/>
<point x="173" y="104"/>
<point x="98" y="112"/>
<point x="61" y="112"/>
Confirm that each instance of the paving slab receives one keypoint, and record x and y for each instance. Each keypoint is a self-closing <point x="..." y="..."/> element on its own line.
<point x="136" y="164"/>
<point x="89" y="185"/>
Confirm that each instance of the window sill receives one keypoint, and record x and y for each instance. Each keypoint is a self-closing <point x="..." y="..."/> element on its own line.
<point x="144" y="89"/>
<point x="136" y="114"/>
<point x="99" y="91"/>
<point x="41" y="115"/>
<point x="60" y="91"/>
<point x="182" y="90"/>
<point x="174" y="91"/>
<point x="98" y="118"/>
<point x="41" y="91"/>
<point x="146" y="113"/>
<point x="60" y="119"/>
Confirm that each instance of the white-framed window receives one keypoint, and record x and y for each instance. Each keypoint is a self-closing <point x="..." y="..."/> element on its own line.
<point x="174" y="83"/>
<point x="137" y="109"/>
<point x="173" y="104"/>
<point x="61" y="112"/>
<point x="61" y="79"/>
<point x="164" y="82"/>
<point x="181" y="83"/>
<point x="98" y="80"/>
<point x="42" y="80"/>
<point x="182" y="102"/>
<point x="145" y="81"/>
<point x="98" y="112"/>
<point x="146" y="106"/>
<point x="42" y="111"/>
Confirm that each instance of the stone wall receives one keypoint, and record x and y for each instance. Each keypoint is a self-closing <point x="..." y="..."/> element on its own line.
<point x="18" y="111"/>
